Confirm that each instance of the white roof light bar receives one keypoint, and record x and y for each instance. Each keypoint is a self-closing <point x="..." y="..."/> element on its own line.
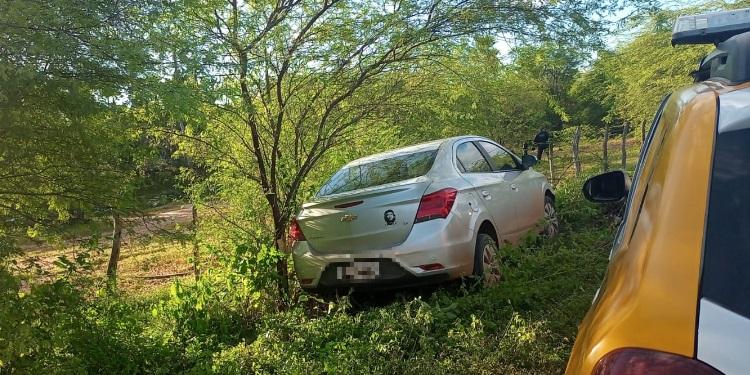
<point x="710" y="28"/>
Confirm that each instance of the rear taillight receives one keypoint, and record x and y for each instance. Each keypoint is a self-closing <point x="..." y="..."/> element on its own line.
<point x="651" y="362"/>
<point x="436" y="205"/>
<point x="295" y="232"/>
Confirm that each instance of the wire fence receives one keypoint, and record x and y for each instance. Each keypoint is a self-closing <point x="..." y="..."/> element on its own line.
<point x="561" y="161"/>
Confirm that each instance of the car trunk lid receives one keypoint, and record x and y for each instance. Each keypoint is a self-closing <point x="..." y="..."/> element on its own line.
<point x="367" y="219"/>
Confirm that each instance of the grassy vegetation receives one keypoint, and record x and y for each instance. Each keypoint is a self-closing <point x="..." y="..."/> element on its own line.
<point x="590" y="153"/>
<point x="525" y="325"/>
<point x="200" y="101"/>
<point x="223" y="325"/>
<point x="154" y="245"/>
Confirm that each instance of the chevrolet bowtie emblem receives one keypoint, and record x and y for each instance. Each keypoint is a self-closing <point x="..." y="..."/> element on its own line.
<point x="348" y="218"/>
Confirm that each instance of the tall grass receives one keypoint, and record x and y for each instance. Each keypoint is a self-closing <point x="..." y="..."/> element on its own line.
<point x="524" y="325"/>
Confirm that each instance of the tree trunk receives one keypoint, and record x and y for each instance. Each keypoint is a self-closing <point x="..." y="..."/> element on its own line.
<point x="643" y="133"/>
<point x="624" y="146"/>
<point x="551" y="169"/>
<point x="282" y="266"/>
<point x="196" y="251"/>
<point x="576" y="155"/>
<point x="605" y="146"/>
<point x="114" y="256"/>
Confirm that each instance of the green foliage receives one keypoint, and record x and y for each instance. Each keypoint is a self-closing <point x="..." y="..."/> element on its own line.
<point x="53" y="328"/>
<point x="68" y="146"/>
<point x="101" y="103"/>
<point x="471" y="91"/>
<point x="555" y="66"/>
<point x="647" y="69"/>
<point x="226" y="324"/>
<point x="627" y="84"/>
<point x="216" y="304"/>
<point x="593" y="90"/>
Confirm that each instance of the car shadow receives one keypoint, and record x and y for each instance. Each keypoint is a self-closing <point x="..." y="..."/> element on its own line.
<point x="360" y="301"/>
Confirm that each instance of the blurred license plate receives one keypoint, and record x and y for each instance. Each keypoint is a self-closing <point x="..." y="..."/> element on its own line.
<point x="359" y="271"/>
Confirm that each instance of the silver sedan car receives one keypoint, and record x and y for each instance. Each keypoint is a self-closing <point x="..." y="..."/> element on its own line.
<point x="420" y="215"/>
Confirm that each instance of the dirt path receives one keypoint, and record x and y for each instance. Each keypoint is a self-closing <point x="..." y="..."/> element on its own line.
<point x="165" y="220"/>
<point x="153" y="250"/>
<point x="168" y="220"/>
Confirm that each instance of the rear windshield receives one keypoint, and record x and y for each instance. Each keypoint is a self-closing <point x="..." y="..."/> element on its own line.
<point x="380" y="172"/>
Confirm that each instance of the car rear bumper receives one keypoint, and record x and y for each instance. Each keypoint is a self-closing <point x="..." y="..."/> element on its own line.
<point x="392" y="276"/>
<point x="399" y="265"/>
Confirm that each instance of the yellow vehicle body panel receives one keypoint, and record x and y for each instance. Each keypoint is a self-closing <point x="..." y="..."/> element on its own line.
<point x="650" y="294"/>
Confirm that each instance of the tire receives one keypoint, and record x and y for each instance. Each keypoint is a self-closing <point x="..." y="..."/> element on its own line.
<point x="551" y="221"/>
<point x="486" y="261"/>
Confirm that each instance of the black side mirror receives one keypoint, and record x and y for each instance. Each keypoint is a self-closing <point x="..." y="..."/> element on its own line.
<point x="608" y="187"/>
<point x="528" y="161"/>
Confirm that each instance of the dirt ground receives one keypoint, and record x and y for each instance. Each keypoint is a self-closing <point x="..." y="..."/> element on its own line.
<point x="155" y="249"/>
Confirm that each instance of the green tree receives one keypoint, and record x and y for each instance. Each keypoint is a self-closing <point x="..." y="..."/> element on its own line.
<point x="648" y="67"/>
<point x="67" y="139"/>
<point x="286" y="81"/>
<point x="592" y="93"/>
<point x="554" y="65"/>
<point x="471" y="91"/>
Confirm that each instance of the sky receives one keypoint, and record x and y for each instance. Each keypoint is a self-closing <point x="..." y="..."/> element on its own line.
<point x="503" y="45"/>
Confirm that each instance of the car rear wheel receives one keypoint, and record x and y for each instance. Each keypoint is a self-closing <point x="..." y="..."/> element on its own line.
<point x="551" y="222"/>
<point x="486" y="261"/>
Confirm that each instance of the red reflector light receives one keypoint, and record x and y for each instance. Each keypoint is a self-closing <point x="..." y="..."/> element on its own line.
<point x="642" y="362"/>
<point x="305" y="281"/>
<point x="436" y="205"/>
<point x="431" y="266"/>
<point x="295" y="232"/>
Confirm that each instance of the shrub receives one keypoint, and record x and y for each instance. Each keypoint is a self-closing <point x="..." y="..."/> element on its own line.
<point x="228" y="323"/>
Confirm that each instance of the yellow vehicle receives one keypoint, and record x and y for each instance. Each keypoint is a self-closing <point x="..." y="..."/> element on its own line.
<point x="676" y="297"/>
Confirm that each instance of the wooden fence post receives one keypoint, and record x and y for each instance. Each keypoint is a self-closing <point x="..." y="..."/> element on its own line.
<point x="624" y="146"/>
<point x="576" y="155"/>
<point x="605" y="147"/>
<point x="550" y="154"/>
<point x="196" y="249"/>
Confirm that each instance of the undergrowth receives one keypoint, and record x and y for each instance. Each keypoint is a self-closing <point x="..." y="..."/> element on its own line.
<point x="226" y="325"/>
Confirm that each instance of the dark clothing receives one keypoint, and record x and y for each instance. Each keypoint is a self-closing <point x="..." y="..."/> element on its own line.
<point x="541" y="141"/>
<point x="542" y="138"/>
<point x="539" y="151"/>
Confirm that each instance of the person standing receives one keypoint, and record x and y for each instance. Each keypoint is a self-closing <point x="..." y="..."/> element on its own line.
<point x="541" y="141"/>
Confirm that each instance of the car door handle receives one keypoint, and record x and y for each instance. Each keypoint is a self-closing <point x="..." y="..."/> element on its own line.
<point x="486" y="194"/>
<point x="514" y="187"/>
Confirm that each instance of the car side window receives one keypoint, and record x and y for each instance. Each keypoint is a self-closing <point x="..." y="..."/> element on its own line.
<point x="470" y="159"/>
<point x="501" y="160"/>
<point x="637" y="175"/>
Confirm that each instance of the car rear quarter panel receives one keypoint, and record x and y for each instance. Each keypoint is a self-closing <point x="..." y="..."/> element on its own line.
<point x="649" y="297"/>
<point x="531" y="212"/>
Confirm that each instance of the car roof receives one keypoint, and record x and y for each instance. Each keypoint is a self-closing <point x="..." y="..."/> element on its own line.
<point x="426" y="146"/>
